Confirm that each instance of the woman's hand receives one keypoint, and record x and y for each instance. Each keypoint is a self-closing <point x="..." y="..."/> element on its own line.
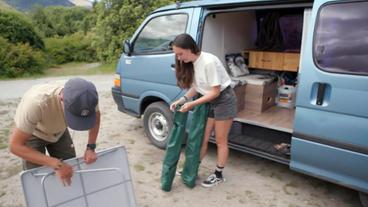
<point x="187" y="106"/>
<point x="176" y="103"/>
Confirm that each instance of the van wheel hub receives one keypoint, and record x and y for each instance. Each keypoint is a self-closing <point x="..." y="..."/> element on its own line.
<point x="158" y="126"/>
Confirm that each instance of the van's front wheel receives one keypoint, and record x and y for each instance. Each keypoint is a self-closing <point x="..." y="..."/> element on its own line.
<point x="363" y="199"/>
<point x="158" y="122"/>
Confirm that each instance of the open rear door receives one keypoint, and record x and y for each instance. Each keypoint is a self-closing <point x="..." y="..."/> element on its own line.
<point x="330" y="138"/>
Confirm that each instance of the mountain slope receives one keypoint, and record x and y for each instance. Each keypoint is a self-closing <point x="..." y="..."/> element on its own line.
<point x="82" y="3"/>
<point x="5" y="6"/>
<point x="25" y="5"/>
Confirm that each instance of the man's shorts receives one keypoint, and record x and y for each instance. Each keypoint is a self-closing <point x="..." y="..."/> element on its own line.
<point x="62" y="149"/>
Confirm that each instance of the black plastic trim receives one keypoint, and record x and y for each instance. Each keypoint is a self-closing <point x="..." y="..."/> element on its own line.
<point x="129" y="95"/>
<point x="255" y="152"/>
<point x="337" y="144"/>
<point x="117" y="94"/>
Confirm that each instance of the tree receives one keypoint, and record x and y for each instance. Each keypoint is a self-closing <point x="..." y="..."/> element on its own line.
<point x="17" y="29"/>
<point x="61" y="21"/>
<point x="42" y="21"/>
<point x="117" y="20"/>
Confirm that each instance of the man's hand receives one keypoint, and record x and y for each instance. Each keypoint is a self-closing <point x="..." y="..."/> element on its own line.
<point x="90" y="156"/>
<point x="65" y="173"/>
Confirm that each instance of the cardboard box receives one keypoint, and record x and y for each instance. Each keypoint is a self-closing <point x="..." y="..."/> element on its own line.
<point x="240" y="96"/>
<point x="258" y="98"/>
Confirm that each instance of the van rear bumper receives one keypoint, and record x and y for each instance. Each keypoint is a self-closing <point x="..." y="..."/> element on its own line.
<point x="117" y="95"/>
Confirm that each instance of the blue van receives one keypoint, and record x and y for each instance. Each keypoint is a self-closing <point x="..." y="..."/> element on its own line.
<point x="319" y="48"/>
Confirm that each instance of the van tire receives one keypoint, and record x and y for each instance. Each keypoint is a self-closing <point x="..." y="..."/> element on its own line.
<point x="363" y="199"/>
<point x="158" y="122"/>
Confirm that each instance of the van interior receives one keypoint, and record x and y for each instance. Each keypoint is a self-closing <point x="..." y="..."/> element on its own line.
<point x="261" y="51"/>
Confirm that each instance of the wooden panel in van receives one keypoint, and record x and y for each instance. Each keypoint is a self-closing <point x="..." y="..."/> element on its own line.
<point x="280" y="61"/>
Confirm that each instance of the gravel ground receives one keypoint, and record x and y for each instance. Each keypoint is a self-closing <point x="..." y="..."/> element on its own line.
<point x="251" y="181"/>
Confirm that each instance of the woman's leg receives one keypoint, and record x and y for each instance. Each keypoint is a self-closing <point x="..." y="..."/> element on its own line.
<point x="207" y="133"/>
<point x="222" y="128"/>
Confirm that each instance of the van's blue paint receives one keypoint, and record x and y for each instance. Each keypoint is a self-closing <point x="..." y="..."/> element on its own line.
<point x="343" y="167"/>
<point x="149" y="74"/>
<point x="341" y="122"/>
<point x="341" y="128"/>
<point x="216" y="3"/>
<point x="338" y="129"/>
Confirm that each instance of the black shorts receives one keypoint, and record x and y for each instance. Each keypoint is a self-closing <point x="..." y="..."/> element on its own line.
<point x="223" y="107"/>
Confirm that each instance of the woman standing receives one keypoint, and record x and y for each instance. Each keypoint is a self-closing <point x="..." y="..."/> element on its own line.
<point x="203" y="74"/>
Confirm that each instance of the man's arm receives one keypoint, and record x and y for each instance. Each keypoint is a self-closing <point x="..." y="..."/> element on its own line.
<point x="17" y="146"/>
<point x="90" y="155"/>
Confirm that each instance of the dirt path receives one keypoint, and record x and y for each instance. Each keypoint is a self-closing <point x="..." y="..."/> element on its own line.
<point x="251" y="181"/>
<point x="15" y="88"/>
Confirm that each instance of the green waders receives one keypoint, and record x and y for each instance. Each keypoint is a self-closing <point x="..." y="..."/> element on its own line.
<point x="192" y="151"/>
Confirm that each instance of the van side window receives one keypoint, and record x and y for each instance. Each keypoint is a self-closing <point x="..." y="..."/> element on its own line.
<point x="157" y="34"/>
<point x="341" y="38"/>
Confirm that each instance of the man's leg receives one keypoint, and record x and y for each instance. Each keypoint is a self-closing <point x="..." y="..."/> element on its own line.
<point x="63" y="148"/>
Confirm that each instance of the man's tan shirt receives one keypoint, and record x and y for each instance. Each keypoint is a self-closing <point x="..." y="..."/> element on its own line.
<point x="41" y="113"/>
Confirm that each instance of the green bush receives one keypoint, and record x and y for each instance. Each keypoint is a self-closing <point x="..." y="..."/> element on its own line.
<point x="61" y="21"/>
<point x="4" y="48"/>
<point x="20" y="59"/>
<point x="17" y="29"/>
<point x="72" y="48"/>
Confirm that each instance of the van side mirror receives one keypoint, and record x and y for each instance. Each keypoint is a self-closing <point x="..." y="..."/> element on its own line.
<point x="127" y="49"/>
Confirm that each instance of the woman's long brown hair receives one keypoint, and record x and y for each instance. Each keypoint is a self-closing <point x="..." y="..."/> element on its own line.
<point x="185" y="71"/>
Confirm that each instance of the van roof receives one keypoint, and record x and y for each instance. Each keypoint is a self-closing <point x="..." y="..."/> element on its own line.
<point x="224" y="3"/>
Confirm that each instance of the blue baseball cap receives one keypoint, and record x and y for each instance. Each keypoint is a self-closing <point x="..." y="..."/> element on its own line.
<point x="80" y="101"/>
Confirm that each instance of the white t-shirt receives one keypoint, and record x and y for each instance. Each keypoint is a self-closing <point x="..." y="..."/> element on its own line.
<point x="209" y="72"/>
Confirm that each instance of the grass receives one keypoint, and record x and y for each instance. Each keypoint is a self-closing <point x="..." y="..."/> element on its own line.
<point x="4" y="134"/>
<point x="3" y="143"/>
<point x="139" y="167"/>
<point x="5" y="131"/>
<point x="71" y="69"/>
<point x="289" y="186"/>
<point x="80" y="69"/>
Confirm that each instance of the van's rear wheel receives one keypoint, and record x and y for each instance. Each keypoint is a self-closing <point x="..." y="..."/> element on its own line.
<point x="363" y="199"/>
<point x="158" y="122"/>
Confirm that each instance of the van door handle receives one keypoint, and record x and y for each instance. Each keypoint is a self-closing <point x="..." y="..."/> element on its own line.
<point x="172" y="66"/>
<point x="320" y="93"/>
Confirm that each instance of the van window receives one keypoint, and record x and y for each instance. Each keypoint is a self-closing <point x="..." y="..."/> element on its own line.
<point x="157" y="34"/>
<point x="341" y="38"/>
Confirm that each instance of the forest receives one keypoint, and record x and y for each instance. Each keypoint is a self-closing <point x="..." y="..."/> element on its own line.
<point x="42" y="36"/>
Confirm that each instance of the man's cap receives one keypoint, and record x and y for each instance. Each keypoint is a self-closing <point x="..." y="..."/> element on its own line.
<point x="80" y="101"/>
